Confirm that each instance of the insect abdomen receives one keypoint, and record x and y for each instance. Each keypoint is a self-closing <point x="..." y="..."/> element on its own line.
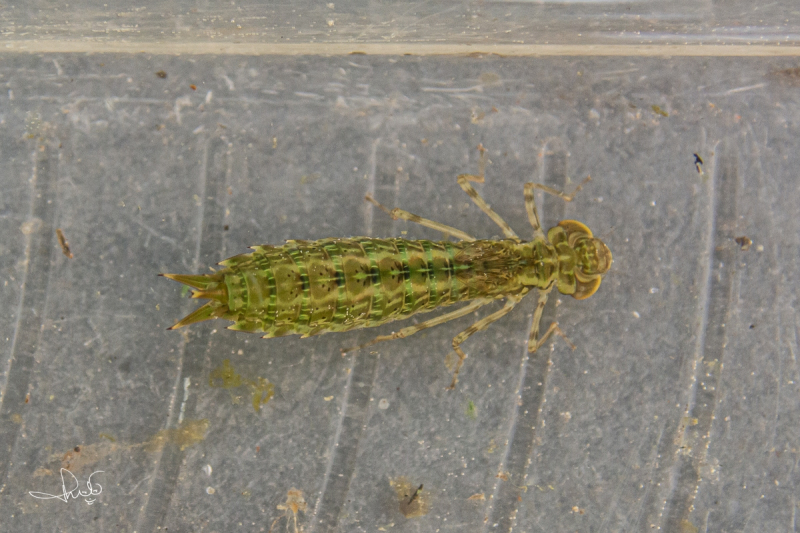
<point x="309" y="287"/>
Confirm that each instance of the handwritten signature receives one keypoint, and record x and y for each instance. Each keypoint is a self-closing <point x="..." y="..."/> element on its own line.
<point x="75" y="492"/>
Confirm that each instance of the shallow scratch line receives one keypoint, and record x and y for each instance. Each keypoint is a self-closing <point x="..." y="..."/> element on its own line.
<point x="154" y="233"/>
<point x="744" y="89"/>
<point x="186" y="384"/>
<point x="332" y="448"/>
<point x="474" y="89"/>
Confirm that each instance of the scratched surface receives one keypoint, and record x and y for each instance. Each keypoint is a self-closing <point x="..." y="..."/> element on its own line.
<point x="678" y="410"/>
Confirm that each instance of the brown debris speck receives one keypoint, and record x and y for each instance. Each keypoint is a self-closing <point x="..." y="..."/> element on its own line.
<point x="658" y="111"/>
<point x="698" y="163"/>
<point x="744" y="242"/>
<point x="62" y="241"/>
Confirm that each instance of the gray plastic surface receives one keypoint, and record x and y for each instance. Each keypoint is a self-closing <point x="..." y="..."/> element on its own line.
<point x="678" y="411"/>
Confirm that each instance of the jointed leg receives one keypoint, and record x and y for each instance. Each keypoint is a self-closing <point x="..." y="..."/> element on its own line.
<point x="530" y="203"/>
<point x="534" y="343"/>
<point x="481" y="324"/>
<point x="463" y="181"/>
<point x="530" y="207"/>
<point x="410" y="330"/>
<point x="405" y="215"/>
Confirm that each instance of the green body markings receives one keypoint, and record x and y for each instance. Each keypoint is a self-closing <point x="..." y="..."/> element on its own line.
<point x="333" y="285"/>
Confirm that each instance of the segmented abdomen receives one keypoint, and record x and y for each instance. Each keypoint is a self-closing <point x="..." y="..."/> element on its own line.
<point x="311" y="287"/>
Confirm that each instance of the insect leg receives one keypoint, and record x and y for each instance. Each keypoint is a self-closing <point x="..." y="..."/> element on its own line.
<point x="410" y="330"/>
<point x="533" y="214"/>
<point x="553" y="329"/>
<point x="534" y="342"/>
<point x="530" y="203"/>
<point x="405" y="215"/>
<point x="463" y="182"/>
<point x="480" y="325"/>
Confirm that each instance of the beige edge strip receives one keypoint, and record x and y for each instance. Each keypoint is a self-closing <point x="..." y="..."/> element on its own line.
<point x="396" y="49"/>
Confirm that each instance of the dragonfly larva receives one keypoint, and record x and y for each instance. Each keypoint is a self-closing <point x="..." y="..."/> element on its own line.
<point x="330" y="285"/>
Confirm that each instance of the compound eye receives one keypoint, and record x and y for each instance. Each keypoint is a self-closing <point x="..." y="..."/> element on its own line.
<point x="573" y="226"/>
<point x="584" y="289"/>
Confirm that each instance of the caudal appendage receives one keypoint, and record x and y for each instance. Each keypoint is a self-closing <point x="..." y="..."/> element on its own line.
<point x="207" y="286"/>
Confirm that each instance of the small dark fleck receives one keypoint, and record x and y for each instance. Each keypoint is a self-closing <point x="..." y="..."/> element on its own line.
<point x="658" y="111"/>
<point x="698" y="163"/>
<point x="744" y="242"/>
<point x="225" y="227"/>
<point x="161" y="74"/>
<point x="77" y="449"/>
<point x="752" y="326"/>
<point x="414" y="496"/>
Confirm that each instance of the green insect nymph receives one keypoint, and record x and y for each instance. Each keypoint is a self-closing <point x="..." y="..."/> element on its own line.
<point x="330" y="285"/>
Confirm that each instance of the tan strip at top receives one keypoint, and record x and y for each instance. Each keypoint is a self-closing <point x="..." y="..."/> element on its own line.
<point x="397" y="49"/>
